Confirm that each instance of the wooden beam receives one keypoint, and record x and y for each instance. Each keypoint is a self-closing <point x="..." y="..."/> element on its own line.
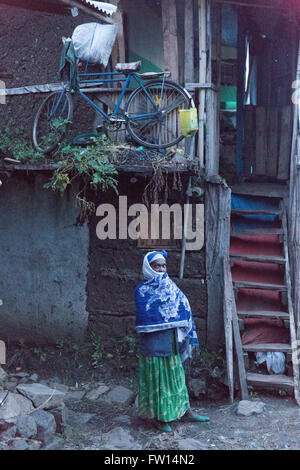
<point x="244" y="4"/>
<point x="236" y="330"/>
<point x="294" y="206"/>
<point x="119" y="50"/>
<point x="285" y="143"/>
<point x="2" y="352"/>
<point x="200" y="86"/>
<point x="261" y="141"/>
<point x="217" y="236"/>
<point x="272" y="154"/>
<point x="219" y="45"/>
<point x="295" y="347"/>
<point x="249" y="140"/>
<point x="212" y="134"/>
<point x="189" y="41"/>
<point x="170" y="39"/>
<point x="227" y="311"/>
<point x="212" y="107"/>
<point x="202" y="77"/>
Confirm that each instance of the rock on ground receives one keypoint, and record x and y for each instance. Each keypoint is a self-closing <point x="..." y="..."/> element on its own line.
<point x="119" y="439"/>
<point x="3" y="376"/>
<point x="13" y="405"/>
<point x="198" y="387"/>
<point x="120" y="396"/>
<point x="191" y="444"/>
<point x="56" y="444"/>
<point x="75" y="418"/>
<point x="248" y="408"/>
<point x="74" y="395"/>
<point x="7" y="430"/>
<point x="41" y="395"/>
<point x="46" y="425"/>
<point x="97" y="392"/>
<point x="58" y="386"/>
<point x="26" y="426"/>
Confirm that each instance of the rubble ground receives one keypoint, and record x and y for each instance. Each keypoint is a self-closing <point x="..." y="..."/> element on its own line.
<point x="56" y="398"/>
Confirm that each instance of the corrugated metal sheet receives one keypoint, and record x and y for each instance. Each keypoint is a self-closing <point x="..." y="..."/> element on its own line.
<point x="103" y="7"/>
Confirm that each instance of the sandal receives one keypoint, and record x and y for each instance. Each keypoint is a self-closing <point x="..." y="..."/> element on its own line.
<point x="165" y="427"/>
<point x="191" y="417"/>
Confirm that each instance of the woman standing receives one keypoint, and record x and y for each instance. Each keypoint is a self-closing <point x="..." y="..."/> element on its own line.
<point x="167" y="337"/>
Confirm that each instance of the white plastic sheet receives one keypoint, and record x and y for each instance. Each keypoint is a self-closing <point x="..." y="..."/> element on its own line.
<point x="275" y="361"/>
<point x="93" y="42"/>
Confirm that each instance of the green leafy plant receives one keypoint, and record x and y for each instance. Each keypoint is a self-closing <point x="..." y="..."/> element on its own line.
<point x="21" y="343"/>
<point x="97" y="348"/>
<point x="37" y="351"/>
<point x="14" y="142"/>
<point x="59" y="343"/>
<point x="91" y="165"/>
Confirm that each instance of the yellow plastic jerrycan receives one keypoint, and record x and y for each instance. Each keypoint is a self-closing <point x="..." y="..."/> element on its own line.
<point x="188" y="122"/>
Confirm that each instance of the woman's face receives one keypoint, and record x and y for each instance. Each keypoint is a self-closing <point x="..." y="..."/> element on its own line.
<point x="159" y="265"/>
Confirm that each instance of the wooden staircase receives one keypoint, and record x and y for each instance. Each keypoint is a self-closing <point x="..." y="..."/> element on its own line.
<point x="242" y="262"/>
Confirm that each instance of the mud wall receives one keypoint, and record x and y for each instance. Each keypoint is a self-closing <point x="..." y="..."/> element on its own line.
<point x="30" y="48"/>
<point x="115" y="271"/>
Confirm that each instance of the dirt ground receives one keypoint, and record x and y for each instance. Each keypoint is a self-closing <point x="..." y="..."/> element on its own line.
<point x="276" y="428"/>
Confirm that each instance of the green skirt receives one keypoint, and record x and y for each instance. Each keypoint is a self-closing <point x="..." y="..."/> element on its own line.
<point x="162" y="389"/>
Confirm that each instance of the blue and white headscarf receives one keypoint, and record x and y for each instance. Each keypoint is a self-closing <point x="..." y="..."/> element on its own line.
<point x="161" y="305"/>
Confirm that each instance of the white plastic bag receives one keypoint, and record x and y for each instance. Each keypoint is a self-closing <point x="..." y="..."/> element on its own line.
<point x="93" y="42"/>
<point x="275" y="361"/>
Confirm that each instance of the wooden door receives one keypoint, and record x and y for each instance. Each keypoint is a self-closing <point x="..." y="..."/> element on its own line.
<point x="267" y="142"/>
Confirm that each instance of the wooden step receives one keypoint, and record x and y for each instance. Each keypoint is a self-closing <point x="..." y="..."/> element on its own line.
<point x="259" y="258"/>
<point x="263" y="314"/>
<point x="256" y="211"/>
<point x="264" y="189"/>
<point x="267" y="347"/>
<point x="256" y="231"/>
<point x="270" y="381"/>
<point x="259" y="285"/>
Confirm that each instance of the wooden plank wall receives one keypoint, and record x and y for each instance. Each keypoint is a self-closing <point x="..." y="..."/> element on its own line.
<point x="267" y="141"/>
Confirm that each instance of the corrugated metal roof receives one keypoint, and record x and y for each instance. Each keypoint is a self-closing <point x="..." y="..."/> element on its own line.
<point x="104" y="7"/>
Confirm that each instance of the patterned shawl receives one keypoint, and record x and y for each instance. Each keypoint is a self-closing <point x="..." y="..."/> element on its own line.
<point x="160" y="305"/>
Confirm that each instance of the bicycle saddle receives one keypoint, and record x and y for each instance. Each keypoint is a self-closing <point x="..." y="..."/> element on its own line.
<point x="129" y="67"/>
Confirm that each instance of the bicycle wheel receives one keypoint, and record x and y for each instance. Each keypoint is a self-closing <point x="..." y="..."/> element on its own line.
<point x="153" y="119"/>
<point x="51" y="121"/>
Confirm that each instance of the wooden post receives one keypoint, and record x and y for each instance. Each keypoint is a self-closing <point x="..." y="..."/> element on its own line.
<point x="2" y="352"/>
<point x="212" y="135"/>
<point x="227" y="310"/>
<point x="212" y="108"/>
<point x="219" y="45"/>
<point x="189" y="41"/>
<point x="118" y="52"/>
<point x="217" y="236"/>
<point x="202" y="77"/>
<point x="241" y="68"/>
<point x="170" y="40"/>
<point x="294" y="208"/>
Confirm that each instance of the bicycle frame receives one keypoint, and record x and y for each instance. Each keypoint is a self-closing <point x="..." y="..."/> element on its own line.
<point x="126" y="81"/>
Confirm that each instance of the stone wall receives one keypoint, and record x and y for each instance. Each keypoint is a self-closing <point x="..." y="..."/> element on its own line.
<point x="115" y="271"/>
